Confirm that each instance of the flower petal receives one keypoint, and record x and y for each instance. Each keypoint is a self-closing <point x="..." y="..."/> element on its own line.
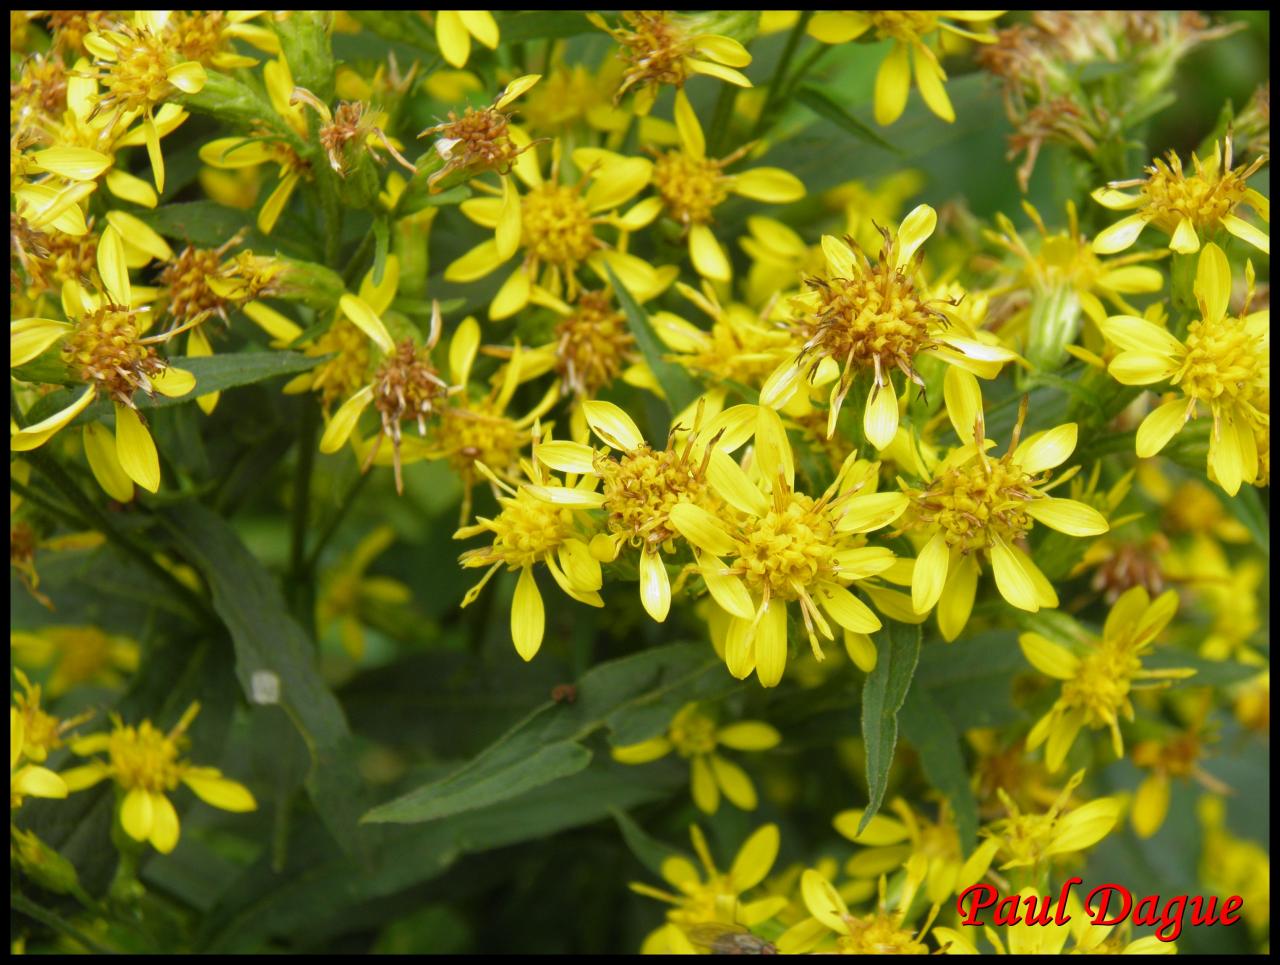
<point x="1067" y="516"/>
<point x="655" y="586"/>
<point x="612" y="425"/>
<point x="528" y="619"/>
<point x="136" y="449"/>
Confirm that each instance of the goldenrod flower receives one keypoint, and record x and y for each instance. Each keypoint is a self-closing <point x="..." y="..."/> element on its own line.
<point x="1223" y="364"/>
<point x="713" y="895"/>
<point x="105" y="348"/>
<point x="1178" y="755"/>
<point x="481" y="140"/>
<point x="264" y="147"/>
<point x="527" y="531"/>
<point x="555" y="225"/>
<point x="662" y="47"/>
<point x="1099" y="673"/>
<point x="78" y="654"/>
<point x="455" y="28"/>
<point x="889" y="842"/>
<point x="642" y="486"/>
<point x="573" y="96"/>
<point x="692" y="185"/>
<point x="877" y="316"/>
<point x="346" y="591"/>
<point x="146" y="764"/>
<point x="1230" y="865"/>
<point x="206" y="36"/>
<point x="1030" y="840"/>
<point x="1185" y="208"/>
<point x="834" y="929"/>
<point x="29" y="780"/>
<point x="694" y="735"/>
<point x="908" y="29"/>
<point x="137" y="66"/>
<point x="775" y="545"/>
<point x="41" y="731"/>
<point x="592" y="344"/>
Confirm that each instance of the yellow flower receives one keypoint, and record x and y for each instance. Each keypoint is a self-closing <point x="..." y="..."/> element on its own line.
<point x="207" y="36"/>
<point x="29" y="780"/>
<point x="526" y="531"/>
<point x="42" y="732"/>
<point x="662" y="47"/>
<point x="138" y="66"/>
<point x="146" y="764"/>
<point x="555" y="225"/>
<point x="774" y="545"/>
<point x="713" y="896"/>
<point x="78" y="654"/>
<point x="1099" y="673"/>
<point x="908" y="30"/>
<point x="642" y="486"/>
<point x="976" y="505"/>
<point x="455" y="28"/>
<point x="592" y="345"/>
<point x="890" y="842"/>
<point x="346" y="591"/>
<point x="1223" y="364"/>
<point x="573" y="96"/>
<point x="1234" y="866"/>
<point x="1029" y="840"/>
<point x="834" y="929"/>
<point x="695" y="735"/>
<point x="876" y="316"/>
<point x="1178" y="755"/>
<point x="104" y="347"/>
<point x="1186" y="207"/>
<point x="264" y="146"/>
<point x="481" y="140"/>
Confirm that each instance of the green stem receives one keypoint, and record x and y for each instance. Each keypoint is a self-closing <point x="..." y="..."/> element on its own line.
<point x="301" y="589"/>
<point x="339" y="515"/>
<point x="720" y="118"/>
<point x="775" y="85"/>
<point x="96" y="518"/>
<point x="26" y="906"/>
<point x="355" y="264"/>
<point x="817" y="53"/>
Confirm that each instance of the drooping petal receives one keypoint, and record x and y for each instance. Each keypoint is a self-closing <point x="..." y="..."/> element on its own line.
<point x="137" y="814"/>
<point x="104" y="463"/>
<point x="136" y="449"/>
<point x="929" y="575"/>
<point x="655" y="586"/>
<point x="1213" y="282"/>
<point x="707" y="256"/>
<point x="528" y="619"/>
<point x="771" y="643"/>
<point x="956" y="603"/>
<point x="893" y="83"/>
<point x="1013" y="581"/>
<point x="733" y="781"/>
<point x="164" y="823"/>
<point x="344" y="420"/>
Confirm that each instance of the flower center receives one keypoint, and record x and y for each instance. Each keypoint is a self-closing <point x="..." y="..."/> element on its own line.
<point x="406" y="386"/>
<point x="904" y="25"/>
<point x="138" y="78"/>
<point x="690" y="187"/>
<point x="876" y="319"/>
<point x="144" y="757"/>
<point x="973" y="505"/>
<point x="556" y="226"/>
<point x="789" y="548"/>
<point x="470" y="437"/>
<point x="1222" y="359"/>
<point x="693" y="733"/>
<point x="342" y="375"/>
<point x="592" y="344"/>
<point x="105" y="348"/>
<point x="878" y="934"/>
<point x="187" y="279"/>
<point x="1205" y="198"/>
<point x="642" y="486"/>
<point x="653" y="48"/>
<point x="528" y="529"/>
<point x="1101" y="684"/>
<point x="197" y="36"/>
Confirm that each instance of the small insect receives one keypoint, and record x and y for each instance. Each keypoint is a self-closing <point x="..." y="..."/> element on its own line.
<point x="564" y="693"/>
<point x="719" y="938"/>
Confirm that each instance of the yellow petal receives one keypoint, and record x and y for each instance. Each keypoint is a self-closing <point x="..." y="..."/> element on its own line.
<point x="344" y="420"/>
<point x="1067" y="516"/>
<point x="137" y="814"/>
<point x="221" y="792"/>
<point x="702" y="783"/>
<point x="564" y="456"/>
<point x="755" y="858"/>
<point x="612" y="425"/>
<point x="271" y="209"/>
<point x="152" y="137"/>
<point x="72" y="163"/>
<point x="929" y="575"/>
<point x="100" y="449"/>
<point x="771" y="185"/>
<point x="846" y="609"/>
<point x="280" y="328"/>
<point x="367" y="320"/>
<point x="1048" y="657"/>
<point x="139" y="234"/>
<point x="823" y="902"/>
<point x="956" y="602"/>
<point x="1159" y="427"/>
<point x="34" y="436"/>
<point x="880" y="831"/>
<point x="132" y="189"/>
<point x="174" y="383"/>
<point x="28" y="337"/>
<point x="1150" y="805"/>
<point x="893" y="81"/>
<point x="527" y="616"/>
<point x="773" y="450"/>
<point x="1213" y="282"/>
<point x="749" y="735"/>
<point x="734" y="487"/>
<point x="691" y="139"/>
<point x="164" y="823"/>
<point x="1120" y="235"/>
<point x="112" y="267"/>
<point x="188" y="77"/>
<point x="1045" y="450"/>
<point x="880" y="418"/>
<point x="708" y="258"/>
<point x="963" y="398"/>
<point x="512" y="297"/>
<point x="701" y="529"/>
<point x="1248" y="233"/>
<point x="136" y="449"/>
<point x="655" y="586"/>
<point x="727" y="590"/>
<point x="453" y="38"/>
<point x="724" y="50"/>
<point x="642" y="753"/>
<point x="916" y="229"/>
<point x="1185" y="240"/>
<point x="929" y="81"/>
<point x="481" y="25"/>
<point x="733" y="781"/>
<point x="1012" y="579"/>
<point x="771" y="643"/>
<point x="862" y="514"/>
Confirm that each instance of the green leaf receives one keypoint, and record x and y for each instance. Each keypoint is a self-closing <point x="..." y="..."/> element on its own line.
<point x="679" y="389"/>
<point x="825" y="106"/>
<point x="381" y="237"/>
<point x="543" y="25"/>
<point x="979" y="664"/>
<point x="882" y="696"/>
<point x="304" y="41"/>
<point x="273" y="652"/>
<point x="546" y="746"/>
<point x="47" y="367"/>
<point x="401" y="26"/>
<point x="649" y="851"/>
<point x="203" y="223"/>
<point x="938" y="744"/>
<point x="226" y="99"/>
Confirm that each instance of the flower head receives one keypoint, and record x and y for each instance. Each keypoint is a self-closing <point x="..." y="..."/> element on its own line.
<point x="1222" y="364"/>
<point x="1186" y="207"/>
<point x="1030" y="840"/>
<point x="481" y="140"/>
<point x="147" y="765"/>
<point x="833" y="928"/>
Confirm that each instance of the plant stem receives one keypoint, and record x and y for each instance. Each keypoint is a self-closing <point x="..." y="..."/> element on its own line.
<point x="25" y="906"/>
<point x="339" y="515"/>
<point x="720" y="118"/>
<point x="301" y="589"/>
<point x="776" y="85"/>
